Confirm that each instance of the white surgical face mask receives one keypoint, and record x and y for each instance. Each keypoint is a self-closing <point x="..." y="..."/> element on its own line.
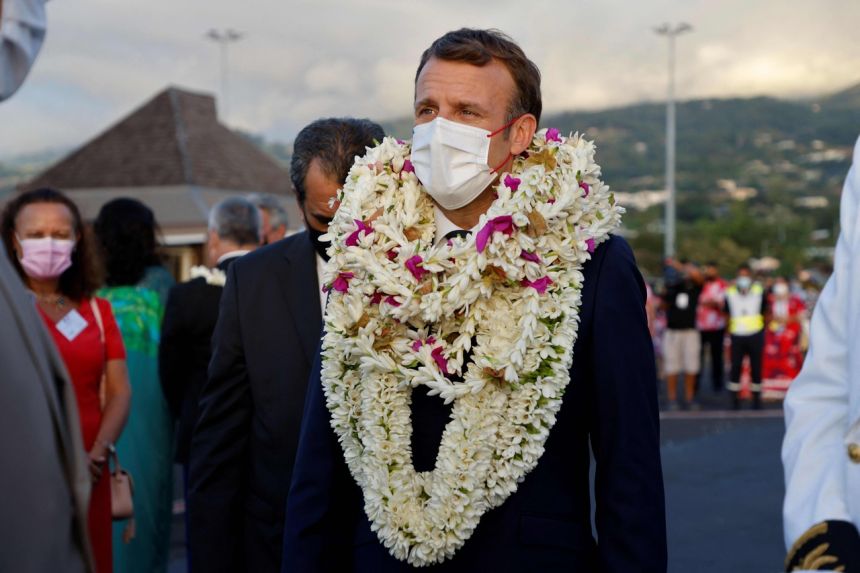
<point x="780" y="289"/>
<point x="450" y="160"/>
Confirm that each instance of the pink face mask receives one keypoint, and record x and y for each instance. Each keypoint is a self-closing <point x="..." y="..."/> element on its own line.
<point x="46" y="258"/>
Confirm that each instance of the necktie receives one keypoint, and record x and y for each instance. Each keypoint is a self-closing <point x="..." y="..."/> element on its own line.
<point x="456" y="233"/>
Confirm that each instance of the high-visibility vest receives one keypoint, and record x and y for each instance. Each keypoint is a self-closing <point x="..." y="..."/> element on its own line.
<point x="745" y="310"/>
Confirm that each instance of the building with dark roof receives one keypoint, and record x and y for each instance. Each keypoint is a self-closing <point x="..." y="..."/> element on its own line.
<point x="174" y="155"/>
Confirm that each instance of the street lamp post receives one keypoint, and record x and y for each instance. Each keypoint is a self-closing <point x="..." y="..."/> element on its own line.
<point x="671" y="33"/>
<point x="224" y="38"/>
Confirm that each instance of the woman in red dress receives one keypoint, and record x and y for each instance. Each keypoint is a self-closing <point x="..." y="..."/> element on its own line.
<point x="44" y="237"/>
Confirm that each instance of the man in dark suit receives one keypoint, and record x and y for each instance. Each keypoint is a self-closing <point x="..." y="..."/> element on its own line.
<point x="192" y="311"/>
<point x="482" y="79"/>
<point x="268" y="330"/>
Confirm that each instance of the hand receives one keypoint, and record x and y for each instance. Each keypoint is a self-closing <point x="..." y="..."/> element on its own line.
<point x="97" y="458"/>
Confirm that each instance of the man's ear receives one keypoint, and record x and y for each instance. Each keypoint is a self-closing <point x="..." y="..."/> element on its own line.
<point x="522" y="133"/>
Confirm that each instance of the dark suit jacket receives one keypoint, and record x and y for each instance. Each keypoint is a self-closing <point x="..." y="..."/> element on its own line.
<point x="185" y="350"/>
<point x="243" y="446"/>
<point x="611" y="403"/>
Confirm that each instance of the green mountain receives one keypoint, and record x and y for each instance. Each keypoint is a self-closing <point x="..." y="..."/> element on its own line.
<point x="745" y="171"/>
<point x="755" y="176"/>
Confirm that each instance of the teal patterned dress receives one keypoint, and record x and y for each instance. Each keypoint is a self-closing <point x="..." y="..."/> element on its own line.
<point x="145" y="447"/>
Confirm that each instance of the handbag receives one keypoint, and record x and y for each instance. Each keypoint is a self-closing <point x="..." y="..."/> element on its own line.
<point x="121" y="483"/>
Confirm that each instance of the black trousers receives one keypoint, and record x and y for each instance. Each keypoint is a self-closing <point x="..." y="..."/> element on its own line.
<point x="712" y="343"/>
<point x="752" y="346"/>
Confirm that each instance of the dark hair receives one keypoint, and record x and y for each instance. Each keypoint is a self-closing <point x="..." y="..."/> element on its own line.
<point x="479" y="48"/>
<point x="80" y="280"/>
<point x="335" y="142"/>
<point x="236" y="219"/>
<point x="125" y="229"/>
<point x="744" y="267"/>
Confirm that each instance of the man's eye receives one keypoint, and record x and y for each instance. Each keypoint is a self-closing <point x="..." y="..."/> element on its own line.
<point x="426" y="111"/>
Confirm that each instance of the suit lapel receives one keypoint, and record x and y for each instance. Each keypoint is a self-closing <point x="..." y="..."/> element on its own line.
<point x="302" y="292"/>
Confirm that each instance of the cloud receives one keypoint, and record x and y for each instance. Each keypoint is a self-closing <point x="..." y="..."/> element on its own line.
<point x="309" y="58"/>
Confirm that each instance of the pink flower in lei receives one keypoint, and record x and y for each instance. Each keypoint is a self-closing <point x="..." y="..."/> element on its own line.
<point x="585" y="187"/>
<point x="414" y="265"/>
<point x="441" y="361"/>
<point x="501" y="224"/>
<point x="552" y="134"/>
<point x="376" y="298"/>
<point x="391" y="300"/>
<point x="341" y="283"/>
<point x="352" y="239"/>
<point x="532" y="257"/>
<point x="419" y="343"/>
<point x="539" y="285"/>
<point x="408" y="167"/>
<point x="512" y="183"/>
<point x="589" y="244"/>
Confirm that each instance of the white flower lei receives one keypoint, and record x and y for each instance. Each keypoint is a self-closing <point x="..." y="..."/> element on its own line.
<point x="215" y="277"/>
<point x="403" y="311"/>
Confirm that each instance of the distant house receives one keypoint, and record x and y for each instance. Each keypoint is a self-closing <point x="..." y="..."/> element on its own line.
<point x="174" y="155"/>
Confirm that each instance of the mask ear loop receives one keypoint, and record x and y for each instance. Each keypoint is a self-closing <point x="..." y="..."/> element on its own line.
<point x="497" y="132"/>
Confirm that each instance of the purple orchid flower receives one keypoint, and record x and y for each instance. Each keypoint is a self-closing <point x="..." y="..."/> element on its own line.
<point x="419" y="343"/>
<point x="501" y="224"/>
<point x="533" y="257"/>
<point x="352" y="239"/>
<point x="585" y="187"/>
<point x="539" y="285"/>
<point x="441" y="361"/>
<point x="589" y="244"/>
<point x="392" y="301"/>
<point x="552" y="134"/>
<point x="414" y="265"/>
<point x="341" y="283"/>
<point x="512" y="183"/>
<point x="376" y="298"/>
<point x="408" y="167"/>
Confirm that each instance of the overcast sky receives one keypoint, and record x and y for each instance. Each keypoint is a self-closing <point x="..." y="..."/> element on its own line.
<point x="301" y="60"/>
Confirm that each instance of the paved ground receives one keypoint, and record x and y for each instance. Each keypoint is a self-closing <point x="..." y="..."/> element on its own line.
<point x="724" y="491"/>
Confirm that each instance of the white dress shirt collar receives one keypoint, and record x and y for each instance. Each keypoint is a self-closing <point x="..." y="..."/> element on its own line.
<point x="444" y="225"/>
<point x="231" y="254"/>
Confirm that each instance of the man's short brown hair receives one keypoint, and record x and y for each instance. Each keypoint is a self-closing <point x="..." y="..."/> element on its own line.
<point x="479" y="48"/>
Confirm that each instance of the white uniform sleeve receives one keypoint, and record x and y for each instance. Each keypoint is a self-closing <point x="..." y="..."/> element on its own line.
<point x="22" y="31"/>
<point x="816" y="407"/>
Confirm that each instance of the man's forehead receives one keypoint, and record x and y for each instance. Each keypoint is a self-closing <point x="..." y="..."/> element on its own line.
<point x="462" y="80"/>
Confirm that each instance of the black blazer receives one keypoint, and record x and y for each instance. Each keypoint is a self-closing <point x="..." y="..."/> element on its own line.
<point x="185" y="349"/>
<point x="611" y="404"/>
<point x="245" y="440"/>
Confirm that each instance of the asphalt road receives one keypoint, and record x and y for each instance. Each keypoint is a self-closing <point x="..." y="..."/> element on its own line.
<point x="724" y="489"/>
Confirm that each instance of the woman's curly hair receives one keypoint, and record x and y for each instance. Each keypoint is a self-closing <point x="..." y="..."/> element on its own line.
<point x="79" y="281"/>
<point x="126" y="232"/>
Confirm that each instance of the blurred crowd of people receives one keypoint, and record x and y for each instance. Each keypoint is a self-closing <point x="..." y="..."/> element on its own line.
<point x="756" y="323"/>
<point x="137" y="348"/>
